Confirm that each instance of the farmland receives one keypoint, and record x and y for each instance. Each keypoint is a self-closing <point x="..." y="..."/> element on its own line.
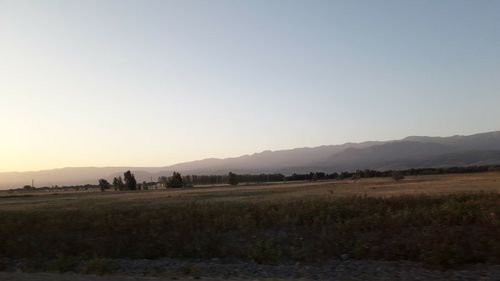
<point x="443" y="221"/>
<point x="371" y="187"/>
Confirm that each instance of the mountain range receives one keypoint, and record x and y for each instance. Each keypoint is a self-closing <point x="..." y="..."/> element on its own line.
<point x="410" y="152"/>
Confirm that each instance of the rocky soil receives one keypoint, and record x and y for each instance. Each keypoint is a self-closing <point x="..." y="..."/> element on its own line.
<point x="169" y="269"/>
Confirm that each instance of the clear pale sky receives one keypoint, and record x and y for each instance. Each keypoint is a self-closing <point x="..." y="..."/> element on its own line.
<point x="153" y="83"/>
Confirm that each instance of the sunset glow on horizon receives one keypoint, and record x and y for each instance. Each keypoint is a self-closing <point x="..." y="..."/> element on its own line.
<point x="154" y="83"/>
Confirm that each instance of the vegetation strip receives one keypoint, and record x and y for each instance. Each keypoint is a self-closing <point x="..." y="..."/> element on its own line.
<point x="443" y="231"/>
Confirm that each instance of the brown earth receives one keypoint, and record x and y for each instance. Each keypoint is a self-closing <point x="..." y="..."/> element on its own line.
<point x="378" y="187"/>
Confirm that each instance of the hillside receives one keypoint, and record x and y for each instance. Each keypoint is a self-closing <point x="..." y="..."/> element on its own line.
<point x="410" y="152"/>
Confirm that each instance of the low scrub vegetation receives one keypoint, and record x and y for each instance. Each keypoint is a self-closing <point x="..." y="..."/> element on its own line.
<point x="441" y="231"/>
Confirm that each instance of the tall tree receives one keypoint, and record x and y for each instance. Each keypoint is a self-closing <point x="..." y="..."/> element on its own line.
<point x="130" y="180"/>
<point x="103" y="184"/>
<point x="118" y="183"/>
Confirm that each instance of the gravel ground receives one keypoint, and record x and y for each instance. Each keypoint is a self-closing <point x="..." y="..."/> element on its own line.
<point x="215" y="269"/>
<point x="16" y="276"/>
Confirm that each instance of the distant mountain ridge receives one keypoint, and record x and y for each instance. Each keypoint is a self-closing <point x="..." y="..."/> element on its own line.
<point x="409" y="152"/>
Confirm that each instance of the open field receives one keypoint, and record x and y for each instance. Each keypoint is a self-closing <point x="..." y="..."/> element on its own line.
<point x="442" y="221"/>
<point x="371" y="187"/>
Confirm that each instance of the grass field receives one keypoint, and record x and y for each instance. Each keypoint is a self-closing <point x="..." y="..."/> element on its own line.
<point x="372" y="187"/>
<point x="442" y="220"/>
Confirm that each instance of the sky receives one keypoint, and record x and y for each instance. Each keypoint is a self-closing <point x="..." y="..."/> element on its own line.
<point x="153" y="83"/>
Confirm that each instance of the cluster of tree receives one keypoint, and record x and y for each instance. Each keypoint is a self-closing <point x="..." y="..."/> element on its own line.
<point x="452" y="170"/>
<point x="206" y="179"/>
<point x="313" y="176"/>
<point x="395" y="174"/>
<point x="191" y="180"/>
<point x="247" y="178"/>
<point x="422" y="171"/>
<point x="175" y="181"/>
<point x="128" y="182"/>
<point x="57" y="188"/>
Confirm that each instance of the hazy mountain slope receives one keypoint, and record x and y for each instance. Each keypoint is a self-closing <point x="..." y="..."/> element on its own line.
<point x="267" y="161"/>
<point x="483" y="141"/>
<point x="466" y="158"/>
<point x="410" y="152"/>
<point x="63" y="176"/>
<point x="398" y="155"/>
<point x="418" y="152"/>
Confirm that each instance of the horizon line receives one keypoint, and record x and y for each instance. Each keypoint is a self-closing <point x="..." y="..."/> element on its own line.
<point x="241" y="155"/>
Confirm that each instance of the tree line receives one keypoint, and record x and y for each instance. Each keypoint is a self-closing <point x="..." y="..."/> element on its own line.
<point x="128" y="181"/>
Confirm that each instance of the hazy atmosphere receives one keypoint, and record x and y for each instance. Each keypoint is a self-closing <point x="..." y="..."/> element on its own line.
<point x="154" y="83"/>
<point x="248" y="140"/>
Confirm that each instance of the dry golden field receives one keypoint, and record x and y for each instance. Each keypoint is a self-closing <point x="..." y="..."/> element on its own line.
<point x="372" y="187"/>
<point x="442" y="220"/>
